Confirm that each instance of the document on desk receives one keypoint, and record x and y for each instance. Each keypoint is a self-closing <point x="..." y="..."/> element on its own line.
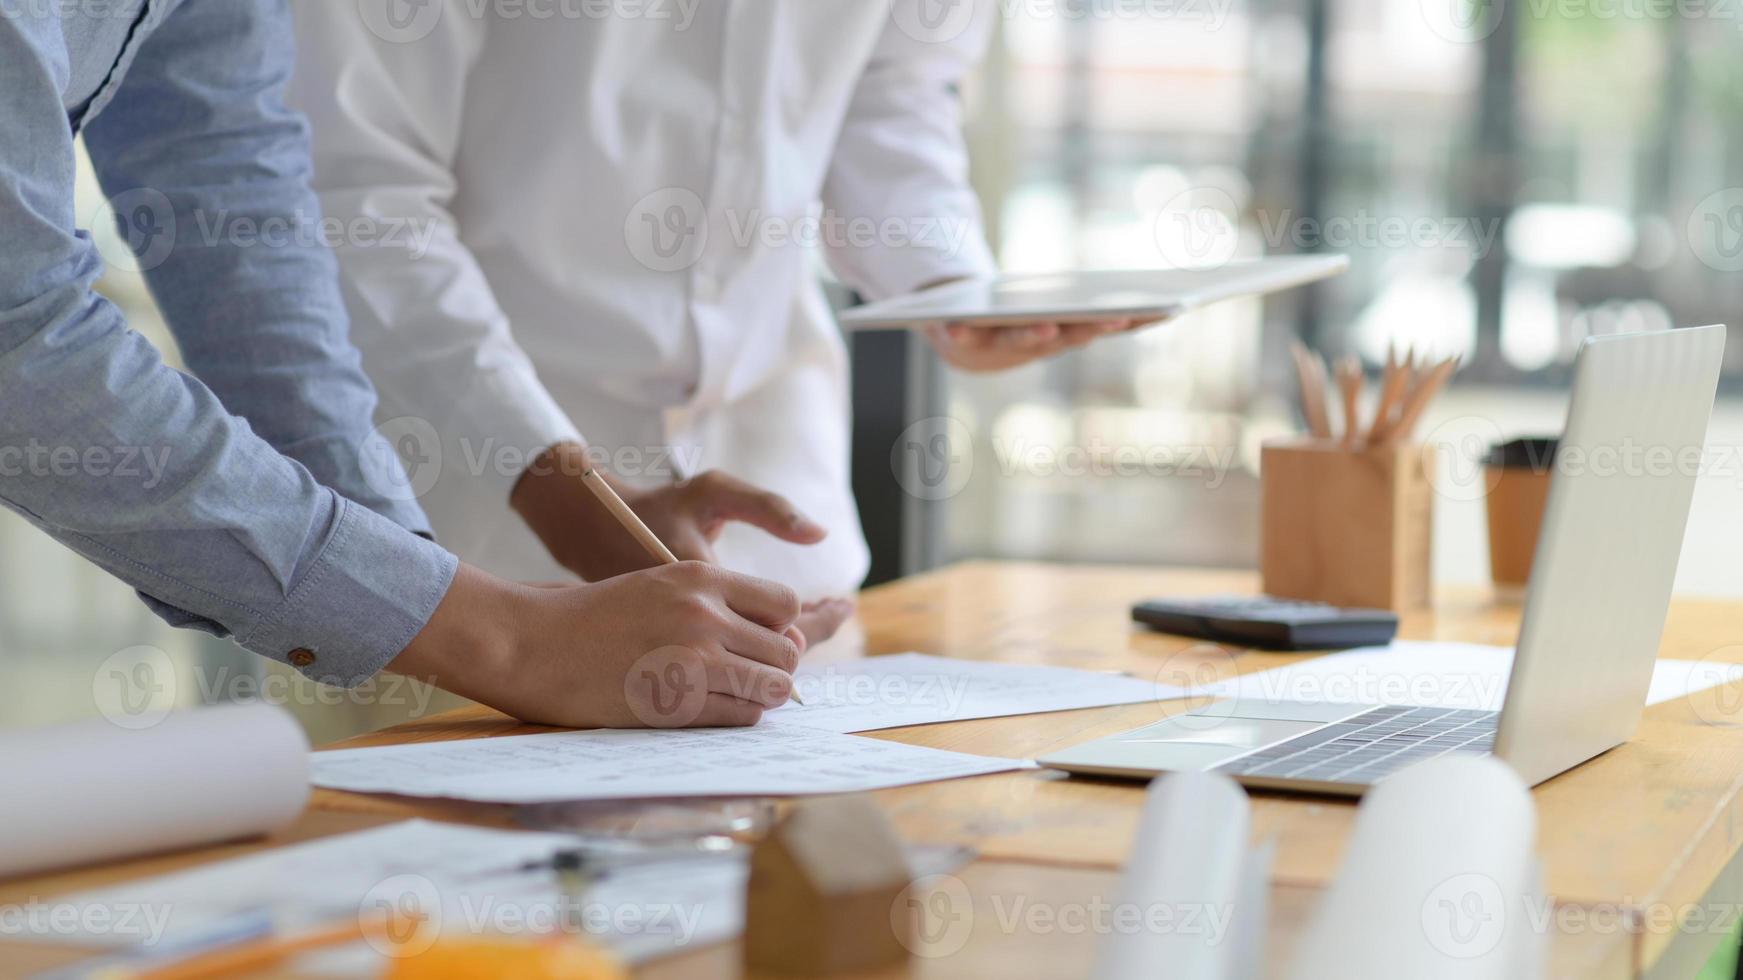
<point x="916" y="689"/>
<point x="769" y="760"/>
<point x="299" y="885"/>
<point x="1435" y="675"/>
<point x="466" y="880"/>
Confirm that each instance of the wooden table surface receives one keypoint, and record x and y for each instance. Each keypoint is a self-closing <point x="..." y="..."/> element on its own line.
<point x="1639" y="846"/>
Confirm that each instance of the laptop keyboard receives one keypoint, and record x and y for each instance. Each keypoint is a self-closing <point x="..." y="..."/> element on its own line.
<point x="1372" y="745"/>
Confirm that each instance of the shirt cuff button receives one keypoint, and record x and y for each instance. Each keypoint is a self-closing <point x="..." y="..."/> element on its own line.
<point x="301" y="658"/>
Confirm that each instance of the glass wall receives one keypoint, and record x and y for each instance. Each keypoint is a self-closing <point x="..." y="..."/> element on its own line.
<point x="1506" y="179"/>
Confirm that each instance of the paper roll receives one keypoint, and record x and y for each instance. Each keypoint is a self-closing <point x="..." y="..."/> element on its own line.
<point x="1437" y="881"/>
<point x="1251" y="923"/>
<point x="93" y="791"/>
<point x="1182" y="885"/>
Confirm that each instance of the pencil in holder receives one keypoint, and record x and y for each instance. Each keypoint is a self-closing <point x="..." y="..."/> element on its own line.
<point x="1348" y="526"/>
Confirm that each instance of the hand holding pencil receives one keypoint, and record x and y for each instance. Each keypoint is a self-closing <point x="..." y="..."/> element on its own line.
<point x="559" y="499"/>
<point x="651" y="542"/>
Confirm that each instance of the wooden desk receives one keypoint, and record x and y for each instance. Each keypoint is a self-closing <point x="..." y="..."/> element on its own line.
<point x="1634" y="843"/>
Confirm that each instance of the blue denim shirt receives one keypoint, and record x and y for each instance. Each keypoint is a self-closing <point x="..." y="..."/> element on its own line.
<point x="252" y="499"/>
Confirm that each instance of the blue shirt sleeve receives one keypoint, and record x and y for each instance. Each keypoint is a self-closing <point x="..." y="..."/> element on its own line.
<point x="211" y="173"/>
<point x="145" y="470"/>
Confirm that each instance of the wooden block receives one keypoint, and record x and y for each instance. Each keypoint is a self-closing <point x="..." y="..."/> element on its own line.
<point x="822" y="888"/>
<point x="1348" y="527"/>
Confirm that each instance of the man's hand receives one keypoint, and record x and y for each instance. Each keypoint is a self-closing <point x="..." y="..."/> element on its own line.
<point x="992" y="346"/>
<point x="687" y="645"/>
<point x="819" y="620"/>
<point x="583" y="536"/>
<point x="981" y="346"/>
<point x="689" y="516"/>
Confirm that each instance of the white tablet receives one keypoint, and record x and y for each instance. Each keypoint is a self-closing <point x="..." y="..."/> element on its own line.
<point x="1144" y="294"/>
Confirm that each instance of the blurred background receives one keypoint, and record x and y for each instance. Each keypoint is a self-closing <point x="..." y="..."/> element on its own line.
<point x="1506" y="178"/>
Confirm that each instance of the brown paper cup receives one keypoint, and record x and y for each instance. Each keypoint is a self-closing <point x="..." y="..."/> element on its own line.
<point x="1519" y="473"/>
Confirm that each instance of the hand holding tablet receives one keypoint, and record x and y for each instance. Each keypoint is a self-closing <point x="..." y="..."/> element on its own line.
<point x="994" y="346"/>
<point x="1003" y="321"/>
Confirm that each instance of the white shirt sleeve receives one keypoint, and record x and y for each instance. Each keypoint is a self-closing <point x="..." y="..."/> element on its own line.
<point x="900" y="168"/>
<point x="387" y="118"/>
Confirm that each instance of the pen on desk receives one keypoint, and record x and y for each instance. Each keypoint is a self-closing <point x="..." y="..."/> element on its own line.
<point x="578" y="867"/>
<point x="633" y="524"/>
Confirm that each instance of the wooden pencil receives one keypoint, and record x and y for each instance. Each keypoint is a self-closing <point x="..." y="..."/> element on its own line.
<point x="1393" y="385"/>
<point x="1349" y="373"/>
<point x="1312" y="383"/>
<point x="1421" y="394"/>
<point x="641" y="532"/>
<point x="649" y="541"/>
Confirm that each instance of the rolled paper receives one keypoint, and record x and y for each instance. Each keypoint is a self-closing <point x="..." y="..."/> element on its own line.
<point x="94" y="790"/>
<point x="1436" y="882"/>
<point x="1182" y="885"/>
<point x="1250" y="927"/>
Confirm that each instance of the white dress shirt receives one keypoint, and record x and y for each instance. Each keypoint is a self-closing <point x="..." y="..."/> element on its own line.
<point x="607" y="206"/>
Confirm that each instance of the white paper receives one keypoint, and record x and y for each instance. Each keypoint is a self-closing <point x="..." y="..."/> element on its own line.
<point x="1436" y="882"/>
<point x="917" y="689"/>
<point x="769" y="760"/>
<point x="1434" y="675"/>
<point x="136" y="784"/>
<point x="305" y="882"/>
<point x="467" y="880"/>
<point x="1182" y="884"/>
<point x="1673" y="679"/>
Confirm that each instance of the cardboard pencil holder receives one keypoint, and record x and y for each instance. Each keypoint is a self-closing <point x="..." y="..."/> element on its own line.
<point x="1351" y="527"/>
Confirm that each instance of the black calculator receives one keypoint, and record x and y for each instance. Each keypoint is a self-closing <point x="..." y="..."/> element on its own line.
<point x="1268" y="622"/>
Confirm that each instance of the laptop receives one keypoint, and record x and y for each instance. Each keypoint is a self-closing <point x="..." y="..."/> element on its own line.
<point x="1594" y="609"/>
<point x="1145" y="295"/>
